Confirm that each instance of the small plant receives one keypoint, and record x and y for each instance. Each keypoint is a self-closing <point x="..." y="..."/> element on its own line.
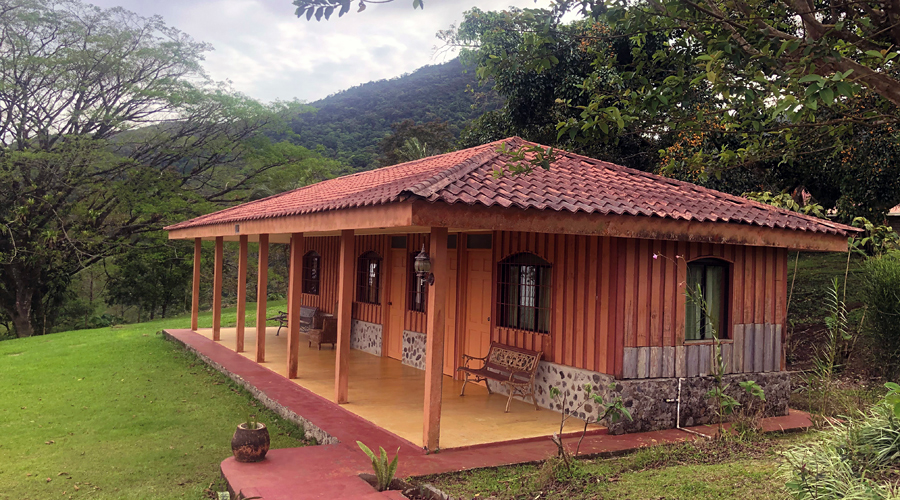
<point x="384" y="471"/>
<point x="251" y="423"/>
<point x="878" y="240"/>
<point x="612" y="412"/>
<point x="856" y="459"/>
<point x="881" y="294"/>
<point x="748" y="419"/>
<point x="725" y="404"/>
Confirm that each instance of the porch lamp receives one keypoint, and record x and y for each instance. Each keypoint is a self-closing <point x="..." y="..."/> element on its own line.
<point x="422" y="266"/>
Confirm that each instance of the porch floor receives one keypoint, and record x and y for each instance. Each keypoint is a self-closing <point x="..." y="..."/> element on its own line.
<point x="391" y="395"/>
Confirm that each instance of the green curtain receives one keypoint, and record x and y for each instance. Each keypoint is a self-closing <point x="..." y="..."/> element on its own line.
<point x="713" y="295"/>
<point x="693" y="311"/>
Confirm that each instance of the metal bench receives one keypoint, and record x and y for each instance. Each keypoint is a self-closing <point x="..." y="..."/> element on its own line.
<point x="307" y="317"/>
<point x="512" y="367"/>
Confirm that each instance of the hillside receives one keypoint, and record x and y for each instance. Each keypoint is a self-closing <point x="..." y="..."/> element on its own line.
<point x="351" y="123"/>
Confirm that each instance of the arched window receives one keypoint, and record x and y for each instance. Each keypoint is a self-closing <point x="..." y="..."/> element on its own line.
<point x="523" y="293"/>
<point x="368" y="278"/>
<point x="707" y="300"/>
<point x="311" y="266"/>
<point x="418" y="287"/>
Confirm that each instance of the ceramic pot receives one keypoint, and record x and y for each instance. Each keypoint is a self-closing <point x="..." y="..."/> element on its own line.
<point x="250" y="445"/>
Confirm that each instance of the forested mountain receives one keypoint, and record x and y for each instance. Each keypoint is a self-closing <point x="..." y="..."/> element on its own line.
<point x="351" y="123"/>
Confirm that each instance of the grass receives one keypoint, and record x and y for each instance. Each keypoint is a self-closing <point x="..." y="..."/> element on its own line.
<point x="693" y="470"/>
<point x="815" y="273"/>
<point x="118" y="413"/>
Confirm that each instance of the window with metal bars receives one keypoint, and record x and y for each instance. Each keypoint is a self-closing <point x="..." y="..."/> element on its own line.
<point x="707" y="303"/>
<point x="418" y="287"/>
<point x="311" y="262"/>
<point x="368" y="278"/>
<point x="523" y="293"/>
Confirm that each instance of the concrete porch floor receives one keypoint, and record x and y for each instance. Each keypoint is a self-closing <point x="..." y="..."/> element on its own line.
<point x="391" y="395"/>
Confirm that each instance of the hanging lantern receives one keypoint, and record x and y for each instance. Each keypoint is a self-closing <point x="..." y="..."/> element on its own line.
<point x="422" y="266"/>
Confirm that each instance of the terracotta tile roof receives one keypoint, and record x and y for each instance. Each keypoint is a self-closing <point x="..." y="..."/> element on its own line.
<point x="574" y="183"/>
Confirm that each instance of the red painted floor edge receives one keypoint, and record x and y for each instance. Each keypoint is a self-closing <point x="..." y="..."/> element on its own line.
<point x="332" y="471"/>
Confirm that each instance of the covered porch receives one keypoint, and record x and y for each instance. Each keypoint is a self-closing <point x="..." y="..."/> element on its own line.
<point x="389" y="394"/>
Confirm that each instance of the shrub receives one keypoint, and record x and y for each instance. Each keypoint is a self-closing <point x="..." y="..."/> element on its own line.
<point x="881" y="294"/>
<point x="855" y="459"/>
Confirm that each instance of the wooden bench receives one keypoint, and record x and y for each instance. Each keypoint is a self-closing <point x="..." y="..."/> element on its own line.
<point x="307" y="317"/>
<point x="512" y="367"/>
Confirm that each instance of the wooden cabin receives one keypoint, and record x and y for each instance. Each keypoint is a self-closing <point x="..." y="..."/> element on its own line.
<point x="587" y="262"/>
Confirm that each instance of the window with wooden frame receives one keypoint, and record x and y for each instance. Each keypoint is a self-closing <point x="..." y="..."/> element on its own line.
<point x="707" y="301"/>
<point x="418" y="287"/>
<point x="368" y="278"/>
<point x="523" y="293"/>
<point x="311" y="266"/>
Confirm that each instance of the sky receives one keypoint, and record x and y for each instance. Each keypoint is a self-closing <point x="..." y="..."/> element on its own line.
<point x="266" y="52"/>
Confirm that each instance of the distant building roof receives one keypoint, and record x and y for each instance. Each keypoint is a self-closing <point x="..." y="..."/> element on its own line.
<point x="574" y="183"/>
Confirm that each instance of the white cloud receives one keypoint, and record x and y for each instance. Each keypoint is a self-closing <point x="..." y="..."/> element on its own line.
<point x="268" y="53"/>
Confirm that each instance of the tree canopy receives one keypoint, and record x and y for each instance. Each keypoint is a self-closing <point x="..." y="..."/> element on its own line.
<point x="108" y="129"/>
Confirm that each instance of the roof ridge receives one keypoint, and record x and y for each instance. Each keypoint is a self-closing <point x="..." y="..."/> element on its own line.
<point x="430" y="186"/>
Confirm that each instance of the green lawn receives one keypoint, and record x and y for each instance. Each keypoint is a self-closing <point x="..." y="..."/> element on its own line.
<point x="118" y="413"/>
<point x="700" y="470"/>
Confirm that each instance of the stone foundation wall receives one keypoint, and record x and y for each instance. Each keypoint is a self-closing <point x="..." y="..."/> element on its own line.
<point x="414" y="349"/>
<point x="366" y="336"/>
<point x="652" y="402"/>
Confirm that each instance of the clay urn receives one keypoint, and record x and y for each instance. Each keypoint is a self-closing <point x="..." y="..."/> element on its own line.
<point x="250" y="444"/>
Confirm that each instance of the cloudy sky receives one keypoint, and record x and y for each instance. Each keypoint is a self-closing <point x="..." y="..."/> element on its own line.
<point x="268" y="53"/>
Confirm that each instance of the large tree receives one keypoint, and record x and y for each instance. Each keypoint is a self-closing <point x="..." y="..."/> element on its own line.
<point x="793" y="87"/>
<point x="108" y="129"/>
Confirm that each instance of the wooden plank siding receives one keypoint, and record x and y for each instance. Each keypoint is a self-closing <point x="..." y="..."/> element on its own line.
<point x="615" y="308"/>
<point x="619" y="310"/>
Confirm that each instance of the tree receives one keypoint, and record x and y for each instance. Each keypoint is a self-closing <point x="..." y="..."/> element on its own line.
<point x="543" y="90"/>
<point x="431" y="138"/>
<point x="325" y="8"/>
<point x="108" y="129"/>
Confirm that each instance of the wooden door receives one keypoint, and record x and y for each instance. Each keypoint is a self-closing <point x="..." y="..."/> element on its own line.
<point x="397" y="303"/>
<point x="478" y="303"/>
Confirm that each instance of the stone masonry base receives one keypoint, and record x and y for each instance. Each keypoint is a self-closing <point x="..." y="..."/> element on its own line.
<point x="652" y="403"/>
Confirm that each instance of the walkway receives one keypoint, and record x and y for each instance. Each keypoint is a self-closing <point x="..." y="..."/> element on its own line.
<point x="332" y="471"/>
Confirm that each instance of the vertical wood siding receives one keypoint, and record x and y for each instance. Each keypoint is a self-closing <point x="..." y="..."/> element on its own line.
<point x="380" y="244"/>
<point x="328" y="248"/>
<point x="615" y="305"/>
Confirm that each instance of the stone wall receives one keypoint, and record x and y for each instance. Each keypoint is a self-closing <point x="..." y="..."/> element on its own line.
<point x="366" y="336"/>
<point x="653" y="403"/>
<point x="414" y="349"/>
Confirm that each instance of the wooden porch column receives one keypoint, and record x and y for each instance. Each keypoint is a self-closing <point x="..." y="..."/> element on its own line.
<point x="294" y="277"/>
<point x="217" y="289"/>
<point x="195" y="297"/>
<point x="241" y="294"/>
<point x="262" y="292"/>
<point x="434" y="340"/>
<point x="345" y="305"/>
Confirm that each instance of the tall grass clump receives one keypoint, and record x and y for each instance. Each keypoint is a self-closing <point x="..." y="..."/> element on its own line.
<point x="881" y="294"/>
<point x="855" y="459"/>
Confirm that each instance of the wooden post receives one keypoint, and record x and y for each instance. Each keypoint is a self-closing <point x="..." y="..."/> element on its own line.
<point x="217" y="290"/>
<point x="345" y="305"/>
<point x="434" y="340"/>
<point x="241" y="294"/>
<point x="195" y="298"/>
<point x="262" y="292"/>
<point x="294" y="279"/>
